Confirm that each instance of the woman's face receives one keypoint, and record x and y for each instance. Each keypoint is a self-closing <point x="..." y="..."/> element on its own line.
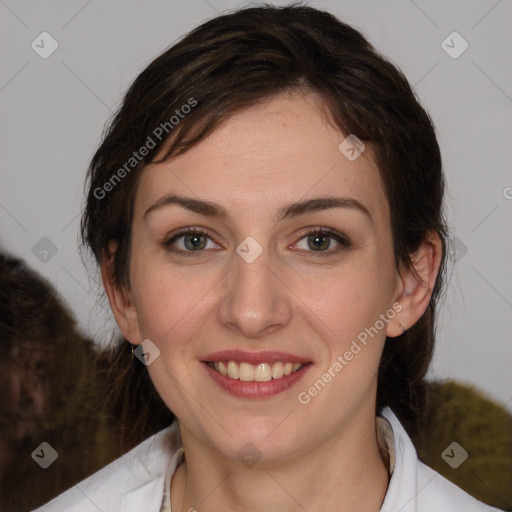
<point x="257" y="290"/>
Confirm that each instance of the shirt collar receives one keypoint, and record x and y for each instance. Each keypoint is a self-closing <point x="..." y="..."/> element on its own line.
<point x="403" y="483"/>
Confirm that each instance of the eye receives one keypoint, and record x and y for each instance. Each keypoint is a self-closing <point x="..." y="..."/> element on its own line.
<point x="319" y="240"/>
<point x="189" y="241"/>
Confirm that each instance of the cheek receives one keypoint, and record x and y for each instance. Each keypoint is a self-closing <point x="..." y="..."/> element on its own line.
<point x="169" y="301"/>
<point x="349" y="299"/>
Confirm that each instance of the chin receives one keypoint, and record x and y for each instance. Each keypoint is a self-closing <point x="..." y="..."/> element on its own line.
<point x="260" y="438"/>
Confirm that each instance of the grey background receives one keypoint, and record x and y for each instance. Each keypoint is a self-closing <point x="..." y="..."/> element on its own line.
<point x="54" y="109"/>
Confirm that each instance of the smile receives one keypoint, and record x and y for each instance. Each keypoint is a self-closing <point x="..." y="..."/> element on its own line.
<point x="255" y="375"/>
<point x="247" y="372"/>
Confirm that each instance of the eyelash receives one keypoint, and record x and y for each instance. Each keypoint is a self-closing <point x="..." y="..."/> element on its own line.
<point x="338" y="237"/>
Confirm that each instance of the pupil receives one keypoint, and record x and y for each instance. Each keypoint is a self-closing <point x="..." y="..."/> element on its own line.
<point x="319" y="238"/>
<point x="195" y="242"/>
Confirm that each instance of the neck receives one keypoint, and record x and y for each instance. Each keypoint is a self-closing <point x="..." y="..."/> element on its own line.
<point x="345" y="472"/>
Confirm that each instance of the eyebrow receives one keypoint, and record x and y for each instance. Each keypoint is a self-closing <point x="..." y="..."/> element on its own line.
<point x="210" y="209"/>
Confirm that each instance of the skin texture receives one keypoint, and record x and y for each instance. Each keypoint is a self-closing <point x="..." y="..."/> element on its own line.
<point x="289" y="300"/>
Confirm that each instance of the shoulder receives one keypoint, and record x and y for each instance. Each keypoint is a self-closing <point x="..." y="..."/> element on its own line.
<point x="136" y="477"/>
<point x="416" y="487"/>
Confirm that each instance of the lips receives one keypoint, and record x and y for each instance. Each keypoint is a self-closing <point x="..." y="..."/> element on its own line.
<point x="255" y="375"/>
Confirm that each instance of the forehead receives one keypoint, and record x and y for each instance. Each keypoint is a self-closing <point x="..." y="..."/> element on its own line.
<point x="275" y="152"/>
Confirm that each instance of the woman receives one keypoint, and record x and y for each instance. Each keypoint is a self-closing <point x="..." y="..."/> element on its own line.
<point x="266" y="211"/>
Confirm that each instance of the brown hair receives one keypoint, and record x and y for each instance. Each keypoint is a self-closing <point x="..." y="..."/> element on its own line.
<point x="238" y="60"/>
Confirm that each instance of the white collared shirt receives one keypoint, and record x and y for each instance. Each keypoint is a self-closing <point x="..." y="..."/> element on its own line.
<point x="140" y="479"/>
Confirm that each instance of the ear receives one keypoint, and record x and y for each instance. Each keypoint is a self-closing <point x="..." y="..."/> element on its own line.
<point x="121" y="299"/>
<point x="415" y="288"/>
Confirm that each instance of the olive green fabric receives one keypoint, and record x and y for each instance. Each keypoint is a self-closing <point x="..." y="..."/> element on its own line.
<point x="483" y="428"/>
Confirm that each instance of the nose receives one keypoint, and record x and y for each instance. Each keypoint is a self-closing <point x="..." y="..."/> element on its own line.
<point x="255" y="300"/>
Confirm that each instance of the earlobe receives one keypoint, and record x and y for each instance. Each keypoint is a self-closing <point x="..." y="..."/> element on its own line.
<point x="120" y="299"/>
<point x="416" y="285"/>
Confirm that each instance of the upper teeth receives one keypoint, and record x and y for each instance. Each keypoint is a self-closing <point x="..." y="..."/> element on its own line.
<point x="262" y="372"/>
